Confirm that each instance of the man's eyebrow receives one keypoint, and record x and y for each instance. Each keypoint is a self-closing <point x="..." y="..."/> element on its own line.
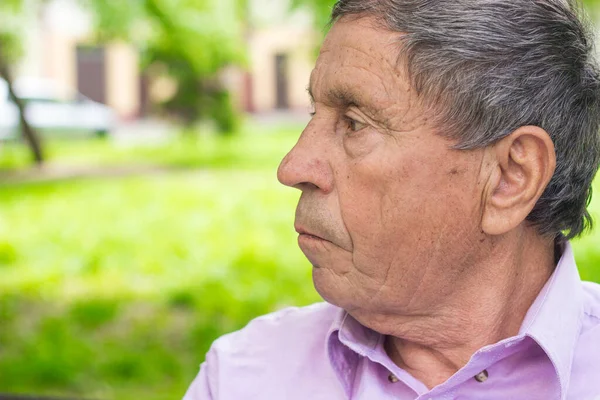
<point x="338" y="97"/>
<point x="342" y="97"/>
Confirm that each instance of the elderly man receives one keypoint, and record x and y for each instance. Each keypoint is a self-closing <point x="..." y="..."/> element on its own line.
<point x="448" y="161"/>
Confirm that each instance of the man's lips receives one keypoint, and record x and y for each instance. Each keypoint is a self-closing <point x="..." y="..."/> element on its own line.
<point x="308" y="234"/>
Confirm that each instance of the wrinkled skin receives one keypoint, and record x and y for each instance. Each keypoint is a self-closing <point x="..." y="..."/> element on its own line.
<point x="398" y="208"/>
<point x="421" y="242"/>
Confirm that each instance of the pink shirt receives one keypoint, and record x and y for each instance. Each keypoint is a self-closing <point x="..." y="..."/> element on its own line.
<point x="322" y="353"/>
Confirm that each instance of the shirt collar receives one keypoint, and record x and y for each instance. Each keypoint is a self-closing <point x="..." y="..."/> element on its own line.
<point x="554" y="319"/>
<point x="553" y="322"/>
<point x="343" y="358"/>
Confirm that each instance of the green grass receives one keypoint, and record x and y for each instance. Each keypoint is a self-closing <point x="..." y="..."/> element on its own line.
<point x="256" y="147"/>
<point x="115" y="288"/>
<point x="111" y="283"/>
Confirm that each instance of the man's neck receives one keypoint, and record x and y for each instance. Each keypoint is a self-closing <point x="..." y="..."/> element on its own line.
<point x="488" y="306"/>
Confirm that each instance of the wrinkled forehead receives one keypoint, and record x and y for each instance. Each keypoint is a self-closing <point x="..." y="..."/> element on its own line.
<point x="366" y="35"/>
<point x="360" y="56"/>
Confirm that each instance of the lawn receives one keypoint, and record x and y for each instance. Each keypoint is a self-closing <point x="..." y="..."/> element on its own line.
<point x="115" y="288"/>
<point x="256" y="146"/>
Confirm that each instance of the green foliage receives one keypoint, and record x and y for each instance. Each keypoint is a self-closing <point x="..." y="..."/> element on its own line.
<point x="591" y="4"/>
<point x="321" y="10"/>
<point x="11" y="29"/>
<point x="127" y="282"/>
<point x="201" y="99"/>
<point x="205" y="34"/>
<point x="93" y="313"/>
<point x="11" y="46"/>
<point x="116" y="19"/>
<point x="121" y="285"/>
<point x="190" y="40"/>
<point x="8" y="254"/>
<point x="220" y="106"/>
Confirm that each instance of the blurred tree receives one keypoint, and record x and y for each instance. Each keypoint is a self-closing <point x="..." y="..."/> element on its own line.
<point x="11" y="12"/>
<point x="321" y="10"/>
<point x="191" y="41"/>
<point x="591" y="3"/>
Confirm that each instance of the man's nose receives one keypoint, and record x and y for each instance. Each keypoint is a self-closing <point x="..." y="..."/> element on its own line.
<point x="306" y="166"/>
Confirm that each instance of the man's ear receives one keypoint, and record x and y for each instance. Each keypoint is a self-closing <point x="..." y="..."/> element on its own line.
<point x="523" y="164"/>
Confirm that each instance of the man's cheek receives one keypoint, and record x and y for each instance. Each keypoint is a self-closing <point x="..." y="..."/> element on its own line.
<point x="363" y="144"/>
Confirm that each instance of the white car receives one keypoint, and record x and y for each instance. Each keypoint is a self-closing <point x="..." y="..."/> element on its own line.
<point x="49" y="113"/>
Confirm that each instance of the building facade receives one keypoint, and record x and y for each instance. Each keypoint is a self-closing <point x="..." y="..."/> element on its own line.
<point x="280" y="50"/>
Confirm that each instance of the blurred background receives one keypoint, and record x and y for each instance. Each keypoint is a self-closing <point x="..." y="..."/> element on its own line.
<point x="140" y="214"/>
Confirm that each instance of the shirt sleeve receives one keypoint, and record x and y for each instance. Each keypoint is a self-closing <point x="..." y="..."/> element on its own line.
<point x="200" y="389"/>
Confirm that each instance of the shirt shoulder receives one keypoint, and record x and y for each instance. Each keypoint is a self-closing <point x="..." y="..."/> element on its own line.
<point x="585" y="371"/>
<point x="272" y="354"/>
<point x="590" y="324"/>
<point x="591" y="300"/>
<point x="265" y="335"/>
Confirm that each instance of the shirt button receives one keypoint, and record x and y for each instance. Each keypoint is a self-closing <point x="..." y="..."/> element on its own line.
<point x="482" y="376"/>
<point x="392" y="378"/>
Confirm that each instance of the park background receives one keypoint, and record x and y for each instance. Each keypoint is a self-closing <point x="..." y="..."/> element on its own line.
<point x="123" y="257"/>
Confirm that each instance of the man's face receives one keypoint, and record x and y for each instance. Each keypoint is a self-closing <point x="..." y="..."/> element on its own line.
<point x="389" y="213"/>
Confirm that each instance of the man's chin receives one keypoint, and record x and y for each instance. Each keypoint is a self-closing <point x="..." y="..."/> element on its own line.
<point x="322" y="280"/>
<point x="329" y="286"/>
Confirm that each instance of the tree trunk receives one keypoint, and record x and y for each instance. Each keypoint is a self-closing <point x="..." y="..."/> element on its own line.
<point x="29" y="134"/>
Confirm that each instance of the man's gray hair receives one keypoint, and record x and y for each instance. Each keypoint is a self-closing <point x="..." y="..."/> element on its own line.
<point x="488" y="67"/>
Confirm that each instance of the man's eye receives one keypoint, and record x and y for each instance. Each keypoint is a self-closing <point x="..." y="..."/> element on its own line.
<point x="355" y="125"/>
